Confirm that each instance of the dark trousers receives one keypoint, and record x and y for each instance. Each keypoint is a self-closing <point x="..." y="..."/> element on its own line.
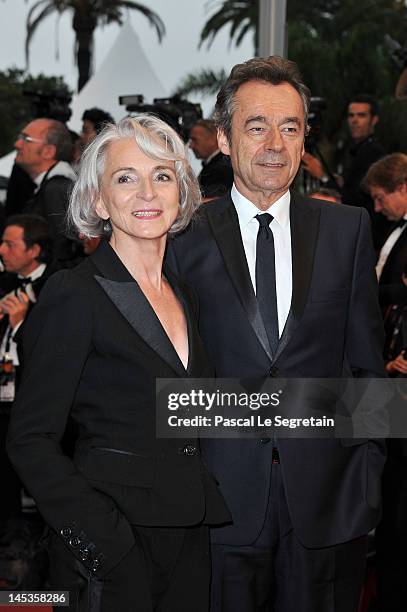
<point x="391" y="534"/>
<point x="10" y="506"/>
<point x="168" y="570"/>
<point x="278" y="574"/>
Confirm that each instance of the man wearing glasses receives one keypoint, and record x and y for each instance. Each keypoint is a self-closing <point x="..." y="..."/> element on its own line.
<point x="44" y="149"/>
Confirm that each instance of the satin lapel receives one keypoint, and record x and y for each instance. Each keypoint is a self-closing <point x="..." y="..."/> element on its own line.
<point x="131" y="302"/>
<point x="190" y="318"/>
<point x="304" y="222"/>
<point x="225" y="227"/>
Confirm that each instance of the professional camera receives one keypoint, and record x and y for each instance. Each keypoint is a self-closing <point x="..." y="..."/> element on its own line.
<point x="180" y="114"/>
<point x="315" y="121"/>
<point x="52" y="106"/>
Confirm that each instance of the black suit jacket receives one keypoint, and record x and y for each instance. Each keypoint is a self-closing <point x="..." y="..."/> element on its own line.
<point x="334" y="329"/>
<point x="391" y="283"/>
<point x="216" y="176"/>
<point x="397" y="259"/>
<point x="9" y="282"/>
<point x="93" y="349"/>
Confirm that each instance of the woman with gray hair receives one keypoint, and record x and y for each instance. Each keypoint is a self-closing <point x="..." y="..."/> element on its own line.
<point x="128" y="514"/>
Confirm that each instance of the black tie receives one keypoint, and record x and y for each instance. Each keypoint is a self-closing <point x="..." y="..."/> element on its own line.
<point x="266" y="279"/>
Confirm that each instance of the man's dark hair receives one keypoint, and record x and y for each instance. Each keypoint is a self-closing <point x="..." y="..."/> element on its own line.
<point x="36" y="231"/>
<point x="366" y="99"/>
<point x="275" y="70"/>
<point x="97" y="117"/>
<point x="58" y="135"/>
<point x="389" y="173"/>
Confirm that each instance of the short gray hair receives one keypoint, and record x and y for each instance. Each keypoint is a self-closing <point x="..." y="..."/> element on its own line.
<point x="156" y="139"/>
<point x="58" y="135"/>
<point x="274" y="69"/>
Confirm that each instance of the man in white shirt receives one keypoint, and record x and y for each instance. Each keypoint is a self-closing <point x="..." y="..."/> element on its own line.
<point x="25" y="251"/>
<point x="387" y="184"/>
<point x="44" y="149"/>
<point x="286" y="288"/>
<point x="216" y="176"/>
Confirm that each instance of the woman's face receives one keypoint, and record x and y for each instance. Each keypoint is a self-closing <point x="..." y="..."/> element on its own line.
<point x="139" y="194"/>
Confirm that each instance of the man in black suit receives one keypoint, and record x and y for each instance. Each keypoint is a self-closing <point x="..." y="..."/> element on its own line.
<point x="44" y="149"/>
<point x="216" y="176"/>
<point x="387" y="183"/>
<point x="25" y="250"/>
<point x="286" y="289"/>
<point x="358" y="154"/>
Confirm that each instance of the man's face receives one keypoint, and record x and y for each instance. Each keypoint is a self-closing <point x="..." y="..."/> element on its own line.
<point x="88" y="132"/>
<point x="392" y="205"/>
<point x="360" y="120"/>
<point x="267" y="140"/>
<point x="16" y="256"/>
<point x="202" y="142"/>
<point x="33" y="153"/>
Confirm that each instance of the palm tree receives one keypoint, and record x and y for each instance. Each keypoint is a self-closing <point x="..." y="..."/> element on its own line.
<point x="240" y="15"/>
<point x="205" y="82"/>
<point x="87" y="15"/>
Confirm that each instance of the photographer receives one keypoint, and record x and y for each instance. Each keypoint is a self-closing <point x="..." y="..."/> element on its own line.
<point x="360" y="153"/>
<point x="93" y="121"/>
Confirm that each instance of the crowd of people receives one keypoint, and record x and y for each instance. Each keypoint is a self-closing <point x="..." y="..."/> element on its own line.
<point x="121" y="267"/>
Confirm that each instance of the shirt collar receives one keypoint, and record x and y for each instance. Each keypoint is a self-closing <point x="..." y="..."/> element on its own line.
<point x="246" y="210"/>
<point x="211" y="156"/>
<point x="38" y="179"/>
<point x="39" y="271"/>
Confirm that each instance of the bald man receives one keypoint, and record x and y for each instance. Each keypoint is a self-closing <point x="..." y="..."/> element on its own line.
<point x="43" y="148"/>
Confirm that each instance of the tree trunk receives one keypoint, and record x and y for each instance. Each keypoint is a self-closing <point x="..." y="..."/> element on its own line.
<point x="84" y="27"/>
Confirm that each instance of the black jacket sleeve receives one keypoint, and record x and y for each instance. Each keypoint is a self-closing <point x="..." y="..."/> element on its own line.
<point x="57" y="341"/>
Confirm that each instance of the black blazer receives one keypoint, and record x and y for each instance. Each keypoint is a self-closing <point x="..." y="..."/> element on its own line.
<point x="93" y="350"/>
<point x="397" y="259"/>
<point x="334" y="329"/>
<point x="216" y="176"/>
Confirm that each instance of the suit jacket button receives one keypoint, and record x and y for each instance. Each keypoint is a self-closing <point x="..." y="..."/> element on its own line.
<point x="66" y="532"/>
<point x="189" y="450"/>
<point x="95" y="565"/>
<point x="274" y="372"/>
<point x="75" y="541"/>
<point x="84" y="554"/>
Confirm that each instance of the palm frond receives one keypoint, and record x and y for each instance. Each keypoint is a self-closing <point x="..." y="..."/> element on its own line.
<point x="155" y="20"/>
<point x="33" y="21"/>
<point x="205" y="82"/>
<point x="239" y="14"/>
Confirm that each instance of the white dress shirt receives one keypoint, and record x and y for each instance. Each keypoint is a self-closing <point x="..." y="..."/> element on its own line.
<point x="280" y="226"/>
<point x="387" y="247"/>
<point x="9" y="334"/>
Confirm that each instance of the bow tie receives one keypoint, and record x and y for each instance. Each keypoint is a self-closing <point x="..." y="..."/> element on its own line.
<point x="400" y="223"/>
<point x="24" y="281"/>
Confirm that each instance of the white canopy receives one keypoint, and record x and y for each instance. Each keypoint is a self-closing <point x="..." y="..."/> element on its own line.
<point x="6" y="164"/>
<point x="125" y="71"/>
